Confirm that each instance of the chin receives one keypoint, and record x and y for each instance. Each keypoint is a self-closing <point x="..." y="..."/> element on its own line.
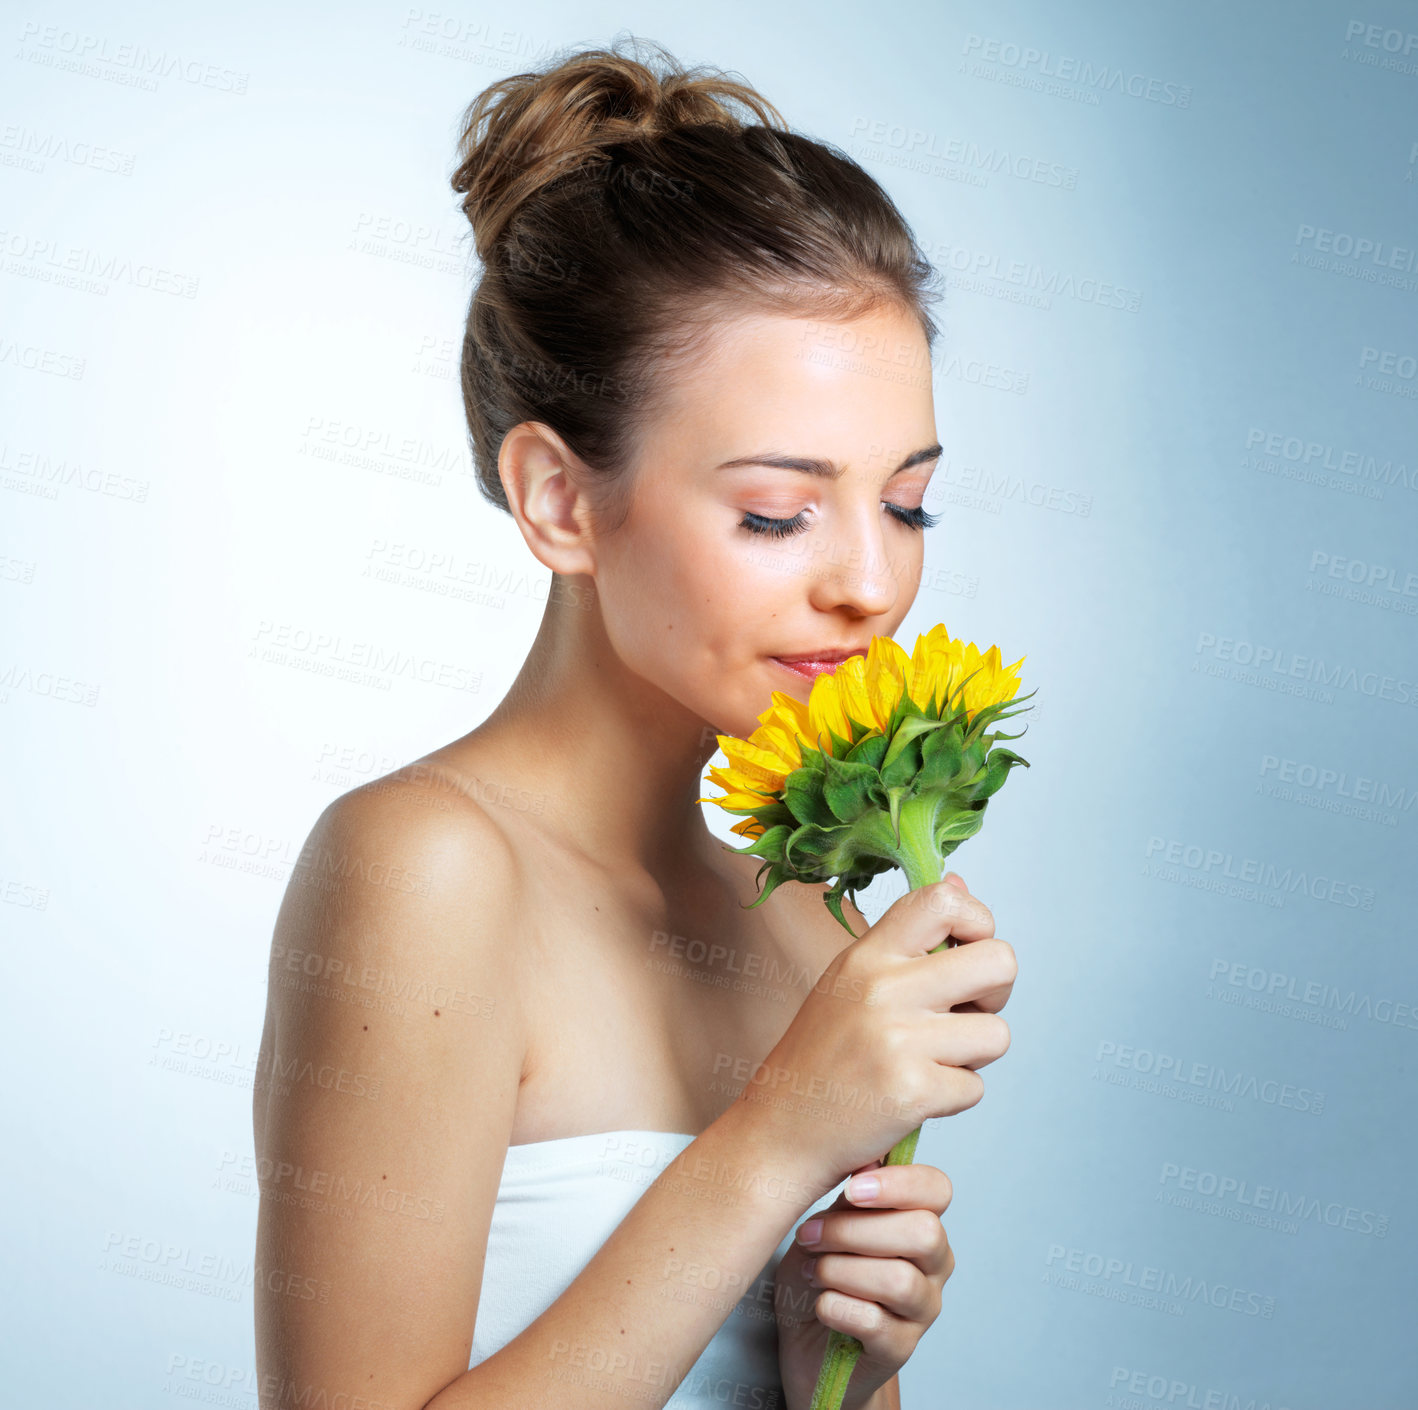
<point x="739" y="717"/>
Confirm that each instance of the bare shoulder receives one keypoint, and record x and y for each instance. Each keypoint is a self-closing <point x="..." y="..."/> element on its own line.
<point x="400" y="907"/>
<point x="412" y="842"/>
<point x="387" y="1086"/>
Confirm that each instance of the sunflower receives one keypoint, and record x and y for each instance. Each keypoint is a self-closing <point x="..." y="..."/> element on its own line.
<point x="888" y="763"/>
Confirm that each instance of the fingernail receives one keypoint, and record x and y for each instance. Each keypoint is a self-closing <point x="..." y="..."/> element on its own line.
<point x="811" y="1232"/>
<point x="863" y="1187"/>
<point x="809" y="1268"/>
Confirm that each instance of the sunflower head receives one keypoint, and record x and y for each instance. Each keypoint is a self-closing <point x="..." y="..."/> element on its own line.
<point x="822" y="786"/>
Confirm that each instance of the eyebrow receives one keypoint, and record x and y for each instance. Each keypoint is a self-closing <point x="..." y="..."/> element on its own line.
<point x="826" y="468"/>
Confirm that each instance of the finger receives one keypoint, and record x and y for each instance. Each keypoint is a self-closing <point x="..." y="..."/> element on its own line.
<point x="991" y="1002"/>
<point x="885" y="1338"/>
<point x="972" y="1040"/>
<point x="958" y="881"/>
<point x="896" y="1284"/>
<point x="918" y="1186"/>
<point x="808" y="1233"/>
<point x="919" y="921"/>
<point x="916" y="1234"/>
<point x="980" y="973"/>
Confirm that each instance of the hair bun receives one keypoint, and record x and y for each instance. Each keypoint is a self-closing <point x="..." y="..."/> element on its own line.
<point x="525" y="130"/>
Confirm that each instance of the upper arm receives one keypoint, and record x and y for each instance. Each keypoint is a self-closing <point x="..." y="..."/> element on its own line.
<point x="386" y="1087"/>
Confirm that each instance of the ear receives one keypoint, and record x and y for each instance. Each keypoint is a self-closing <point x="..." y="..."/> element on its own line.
<point x="547" y="492"/>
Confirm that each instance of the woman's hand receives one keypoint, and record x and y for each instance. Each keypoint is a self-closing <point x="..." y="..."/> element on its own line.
<point x="889" y="1036"/>
<point x="875" y="1271"/>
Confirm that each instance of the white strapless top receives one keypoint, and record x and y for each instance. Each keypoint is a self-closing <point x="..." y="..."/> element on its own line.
<point x="558" y="1202"/>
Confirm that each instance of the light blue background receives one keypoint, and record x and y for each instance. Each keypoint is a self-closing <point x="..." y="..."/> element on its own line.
<point x="135" y="938"/>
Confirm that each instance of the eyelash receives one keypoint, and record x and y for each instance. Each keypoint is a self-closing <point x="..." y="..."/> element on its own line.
<point x="782" y="528"/>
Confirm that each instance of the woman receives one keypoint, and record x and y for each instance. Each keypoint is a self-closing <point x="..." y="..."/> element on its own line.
<point x="542" y="1127"/>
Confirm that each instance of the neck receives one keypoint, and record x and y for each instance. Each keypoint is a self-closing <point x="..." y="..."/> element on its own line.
<point x="621" y="762"/>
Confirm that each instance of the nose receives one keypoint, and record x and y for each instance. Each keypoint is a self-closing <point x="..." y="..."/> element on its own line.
<point x="856" y="573"/>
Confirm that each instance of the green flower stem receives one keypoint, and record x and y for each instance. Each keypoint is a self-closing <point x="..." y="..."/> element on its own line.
<point x="837" y="1364"/>
<point x="917" y="853"/>
<point x="919" y="858"/>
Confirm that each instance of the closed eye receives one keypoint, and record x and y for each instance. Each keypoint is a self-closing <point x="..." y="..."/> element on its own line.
<point x="782" y="528"/>
<point x="914" y="518"/>
<point x="775" y="528"/>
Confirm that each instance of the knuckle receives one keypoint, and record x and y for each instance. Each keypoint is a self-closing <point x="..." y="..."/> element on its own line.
<point x="947" y="1192"/>
<point x="904" y="1283"/>
<point x="911" y="1095"/>
<point x="940" y="898"/>
<point x="999" y="1035"/>
<point x="871" y="992"/>
<point x="939" y="893"/>
<point x="850" y="964"/>
<point x="972" y="1088"/>
<point x="894" y="1041"/>
<point x="1008" y="961"/>
<point x="939" y="1242"/>
<point x="926" y="1231"/>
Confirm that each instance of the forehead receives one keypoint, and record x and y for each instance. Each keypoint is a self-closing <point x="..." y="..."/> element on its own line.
<point x="798" y="385"/>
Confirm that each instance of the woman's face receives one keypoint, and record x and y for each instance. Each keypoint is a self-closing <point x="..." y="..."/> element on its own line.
<point x="704" y="587"/>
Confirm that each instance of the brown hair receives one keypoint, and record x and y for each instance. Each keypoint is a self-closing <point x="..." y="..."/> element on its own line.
<point x="619" y="213"/>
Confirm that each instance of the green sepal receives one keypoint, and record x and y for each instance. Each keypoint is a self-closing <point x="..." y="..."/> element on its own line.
<point x="805" y="849"/>
<point x="769" y="814"/>
<point x="1000" y="734"/>
<point x="895" y="796"/>
<point x="972" y="761"/>
<point x="941" y="760"/>
<point x="905" y="733"/>
<point x="776" y="876"/>
<point x="833" y="900"/>
<point x="806" y="830"/>
<point x="958" y="824"/>
<point x="851" y="848"/>
<point x="997" y="768"/>
<point x="944" y="741"/>
<point x="768" y="843"/>
<point x="851" y="789"/>
<point x="902" y="767"/>
<point x="869" y="751"/>
<point x="804" y="797"/>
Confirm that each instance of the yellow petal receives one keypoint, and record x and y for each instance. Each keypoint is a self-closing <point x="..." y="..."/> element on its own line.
<point x="867" y="691"/>
<point x="856" y="698"/>
<point x="886" y="671"/>
<point x="824" y="708"/>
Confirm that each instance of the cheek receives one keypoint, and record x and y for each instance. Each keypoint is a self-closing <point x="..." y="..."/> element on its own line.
<point x="662" y="592"/>
<point x="909" y="569"/>
<point x="770" y="576"/>
<point x="690" y="608"/>
<point x="694" y="572"/>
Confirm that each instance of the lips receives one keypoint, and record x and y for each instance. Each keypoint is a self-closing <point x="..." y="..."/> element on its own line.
<point x="817" y="663"/>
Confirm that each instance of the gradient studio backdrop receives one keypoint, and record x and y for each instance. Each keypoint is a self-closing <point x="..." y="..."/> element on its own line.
<point x="1177" y="389"/>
